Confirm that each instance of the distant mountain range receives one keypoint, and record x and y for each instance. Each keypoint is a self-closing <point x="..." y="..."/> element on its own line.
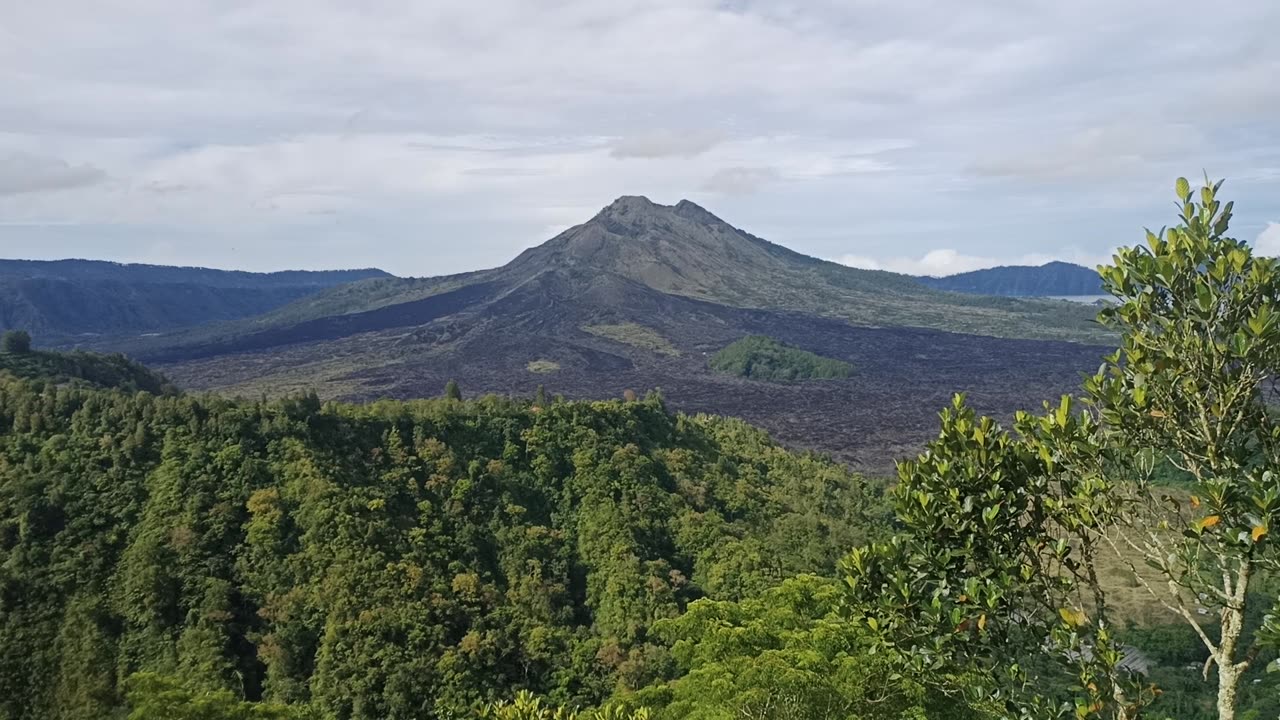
<point x="65" y="299"/>
<point x="641" y="296"/>
<point x="1055" y="279"/>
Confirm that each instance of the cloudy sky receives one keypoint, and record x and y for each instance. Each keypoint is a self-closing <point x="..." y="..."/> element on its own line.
<point x="434" y="137"/>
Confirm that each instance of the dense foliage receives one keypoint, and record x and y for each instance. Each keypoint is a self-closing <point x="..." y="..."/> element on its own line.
<point x="788" y="653"/>
<point x="1194" y="382"/>
<point x="996" y="567"/>
<point x="762" y="358"/>
<point x="82" y="368"/>
<point x="15" y="341"/>
<point x="385" y="561"/>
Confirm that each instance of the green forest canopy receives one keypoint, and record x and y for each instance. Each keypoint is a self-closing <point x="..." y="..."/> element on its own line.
<point x="418" y="559"/>
<point x="395" y="560"/>
<point x="83" y="368"/>
<point x="762" y="358"/>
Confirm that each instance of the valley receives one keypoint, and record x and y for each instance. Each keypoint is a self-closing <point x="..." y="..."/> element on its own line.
<point x="885" y="410"/>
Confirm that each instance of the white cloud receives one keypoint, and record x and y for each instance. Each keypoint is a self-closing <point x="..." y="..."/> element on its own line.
<point x="26" y="173"/>
<point x="739" y="180"/>
<point x="665" y="143"/>
<point x="1268" y="241"/>
<point x="1115" y="150"/>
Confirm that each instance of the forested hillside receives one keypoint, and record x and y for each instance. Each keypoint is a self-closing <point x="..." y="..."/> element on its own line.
<point x="62" y="300"/>
<point x="396" y="560"/>
<point x="82" y="368"/>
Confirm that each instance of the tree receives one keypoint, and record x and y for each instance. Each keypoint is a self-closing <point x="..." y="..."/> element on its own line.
<point x="526" y="706"/>
<point x="17" y="342"/>
<point x="992" y="576"/>
<point x="452" y="391"/>
<point x="155" y="697"/>
<point x="1200" y="318"/>
<point x="540" y="397"/>
<point x="786" y="654"/>
<point x="1000" y="530"/>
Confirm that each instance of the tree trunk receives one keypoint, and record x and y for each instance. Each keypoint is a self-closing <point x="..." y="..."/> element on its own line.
<point x="1229" y="671"/>
<point x="1228" y="685"/>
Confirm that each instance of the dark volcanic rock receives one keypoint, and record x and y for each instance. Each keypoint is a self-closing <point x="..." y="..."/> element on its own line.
<point x="638" y="298"/>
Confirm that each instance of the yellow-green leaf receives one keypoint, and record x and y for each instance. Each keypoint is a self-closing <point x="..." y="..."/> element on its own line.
<point x="1207" y="522"/>
<point x="1072" y="617"/>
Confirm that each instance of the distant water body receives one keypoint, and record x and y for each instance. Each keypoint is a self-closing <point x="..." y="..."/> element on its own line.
<point x="1087" y="299"/>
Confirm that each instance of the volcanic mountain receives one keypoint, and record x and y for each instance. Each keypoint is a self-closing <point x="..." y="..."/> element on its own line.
<point x="639" y="297"/>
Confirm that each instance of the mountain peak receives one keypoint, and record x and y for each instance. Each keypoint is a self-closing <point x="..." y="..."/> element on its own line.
<point x="679" y="248"/>
<point x="635" y="207"/>
<point x="630" y="205"/>
<point x="694" y="211"/>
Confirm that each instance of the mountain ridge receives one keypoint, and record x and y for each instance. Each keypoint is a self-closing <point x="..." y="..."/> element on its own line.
<point x="109" y="269"/>
<point x="1054" y="278"/>
<point x="59" y="300"/>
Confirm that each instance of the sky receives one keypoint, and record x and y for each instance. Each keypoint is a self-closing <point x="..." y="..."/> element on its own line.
<point x="425" y="138"/>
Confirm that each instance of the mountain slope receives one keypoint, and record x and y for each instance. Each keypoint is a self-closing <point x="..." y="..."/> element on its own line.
<point x="1050" y="279"/>
<point x="685" y="250"/>
<point x="61" y="299"/>
<point x="639" y="297"/>
<point x="681" y="250"/>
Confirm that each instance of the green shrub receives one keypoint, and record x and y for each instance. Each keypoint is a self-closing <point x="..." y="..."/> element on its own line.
<point x="16" y="342"/>
<point x="762" y="358"/>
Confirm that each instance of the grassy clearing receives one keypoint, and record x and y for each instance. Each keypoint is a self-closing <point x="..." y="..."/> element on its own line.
<point x="542" y="366"/>
<point x="634" y="335"/>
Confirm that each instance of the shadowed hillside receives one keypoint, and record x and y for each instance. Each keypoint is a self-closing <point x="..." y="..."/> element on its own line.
<point x="1050" y="279"/>
<point x="64" y="299"/>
